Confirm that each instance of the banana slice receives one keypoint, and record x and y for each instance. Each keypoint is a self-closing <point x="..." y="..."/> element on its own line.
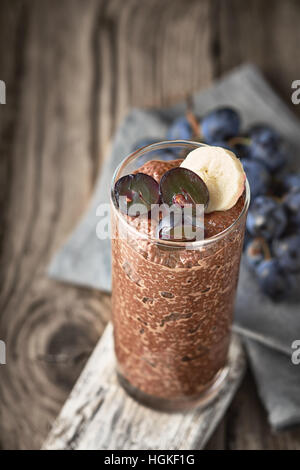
<point x="221" y="171"/>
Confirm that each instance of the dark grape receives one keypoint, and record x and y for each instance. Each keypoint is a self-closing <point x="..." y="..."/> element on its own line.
<point x="266" y="147"/>
<point x="178" y="226"/>
<point x="241" y="150"/>
<point x="220" y="125"/>
<point x="183" y="187"/>
<point x="291" y="182"/>
<point x="258" y="177"/>
<point x="292" y="203"/>
<point x="135" y="189"/>
<point x="287" y="252"/>
<point x="266" y="218"/>
<point x="180" y="129"/>
<point x="273" y="280"/>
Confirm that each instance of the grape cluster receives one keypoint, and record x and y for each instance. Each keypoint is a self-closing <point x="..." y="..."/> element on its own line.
<point x="272" y="239"/>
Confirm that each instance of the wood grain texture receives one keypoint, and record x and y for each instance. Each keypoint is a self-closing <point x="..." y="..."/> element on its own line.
<point x="49" y="329"/>
<point x="72" y="69"/>
<point x="265" y="33"/>
<point x="99" y="415"/>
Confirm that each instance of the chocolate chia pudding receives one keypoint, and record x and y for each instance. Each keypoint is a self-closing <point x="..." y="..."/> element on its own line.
<point x="173" y="307"/>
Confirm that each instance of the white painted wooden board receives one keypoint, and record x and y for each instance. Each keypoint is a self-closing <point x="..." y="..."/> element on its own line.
<point x="99" y="415"/>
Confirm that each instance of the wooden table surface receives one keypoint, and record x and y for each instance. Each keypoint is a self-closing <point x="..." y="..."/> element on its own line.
<point x="73" y="68"/>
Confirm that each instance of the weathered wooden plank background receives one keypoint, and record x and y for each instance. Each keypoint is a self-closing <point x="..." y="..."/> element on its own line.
<point x="99" y="415"/>
<point x="72" y="69"/>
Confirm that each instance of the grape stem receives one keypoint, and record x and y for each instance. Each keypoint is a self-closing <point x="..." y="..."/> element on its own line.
<point x="196" y="128"/>
<point x="265" y="248"/>
<point x="192" y="120"/>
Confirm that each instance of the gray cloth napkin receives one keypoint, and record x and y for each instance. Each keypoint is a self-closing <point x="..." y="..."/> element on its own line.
<point x="270" y="328"/>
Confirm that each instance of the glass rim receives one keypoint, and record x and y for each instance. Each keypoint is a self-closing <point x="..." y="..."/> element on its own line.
<point x="163" y="243"/>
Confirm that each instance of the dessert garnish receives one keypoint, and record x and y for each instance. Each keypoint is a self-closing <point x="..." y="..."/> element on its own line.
<point x="209" y="176"/>
<point x="134" y="189"/>
<point x="179" y="189"/>
<point x="179" y="226"/>
<point x="182" y="187"/>
<point x="221" y="171"/>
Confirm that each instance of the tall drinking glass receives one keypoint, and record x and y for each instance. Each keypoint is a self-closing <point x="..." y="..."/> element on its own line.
<point x="172" y="302"/>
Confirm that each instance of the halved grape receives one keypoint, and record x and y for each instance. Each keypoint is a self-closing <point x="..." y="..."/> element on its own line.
<point x="182" y="187"/>
<point x="177" y="226"/>
<point x="135" y="193"/>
